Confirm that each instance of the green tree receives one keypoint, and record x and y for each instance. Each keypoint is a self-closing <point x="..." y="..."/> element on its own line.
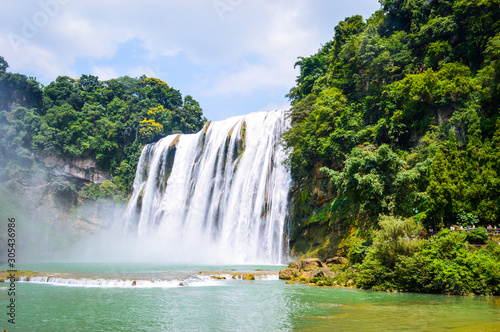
<point x="374" y="181"/>
<point x="191" y="119"/>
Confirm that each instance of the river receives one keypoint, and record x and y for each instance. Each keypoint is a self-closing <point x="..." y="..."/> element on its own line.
<point x="104" y="297"/>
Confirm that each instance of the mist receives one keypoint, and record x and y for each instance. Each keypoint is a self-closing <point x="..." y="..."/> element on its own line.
<point x="218" y="197"/>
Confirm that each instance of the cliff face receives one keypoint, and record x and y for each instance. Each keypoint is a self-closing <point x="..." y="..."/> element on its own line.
<point x="312" y="232"/>
<point x="81" y="168"/>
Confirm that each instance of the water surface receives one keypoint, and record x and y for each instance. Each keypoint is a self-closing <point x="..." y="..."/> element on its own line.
<point x="232" y="304"/>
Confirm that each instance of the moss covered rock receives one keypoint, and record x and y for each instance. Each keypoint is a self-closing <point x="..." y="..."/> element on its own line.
<point x="310" y="263"/>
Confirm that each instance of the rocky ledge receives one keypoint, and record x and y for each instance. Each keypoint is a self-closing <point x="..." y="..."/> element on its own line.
<point x="81" y="168"/>
<point x="332" y="272"/>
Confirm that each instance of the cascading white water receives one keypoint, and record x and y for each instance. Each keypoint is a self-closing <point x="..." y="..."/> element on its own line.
<point x="218" y="196"/>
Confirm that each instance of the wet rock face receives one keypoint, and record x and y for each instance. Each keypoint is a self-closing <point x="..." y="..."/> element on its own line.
<point x="311" y="197"/>
<point x="310" y="263"/>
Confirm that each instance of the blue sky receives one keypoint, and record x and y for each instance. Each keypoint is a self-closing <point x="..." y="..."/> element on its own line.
<point x="233" y="56"/>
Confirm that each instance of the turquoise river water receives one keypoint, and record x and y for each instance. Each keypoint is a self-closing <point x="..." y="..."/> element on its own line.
<point x="99" y="297"/>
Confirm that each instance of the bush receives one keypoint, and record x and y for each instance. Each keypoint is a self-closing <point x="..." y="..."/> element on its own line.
<point x="359" y="251"/>
<point x="101" y="191"/>
<point x="445" y="264"/>
<point x="396" y="237"/>
<point x="64" y="191"/>
<point x="371" y="273"/>
<point x="477" y="236"/>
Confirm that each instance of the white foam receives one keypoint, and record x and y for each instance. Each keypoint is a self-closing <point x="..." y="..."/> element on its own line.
<point x="196" y="281"/>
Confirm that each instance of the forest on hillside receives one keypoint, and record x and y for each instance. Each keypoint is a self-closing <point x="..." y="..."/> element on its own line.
<point x="401" y="112"/>
<point x="396" y="134"/>
<point x="106" y="121"/>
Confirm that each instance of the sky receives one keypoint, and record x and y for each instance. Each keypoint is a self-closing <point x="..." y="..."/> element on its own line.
<point x="233" y="56"/>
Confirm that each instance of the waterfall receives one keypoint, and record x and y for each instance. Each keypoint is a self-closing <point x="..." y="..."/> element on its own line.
<point x="218" y="196"/>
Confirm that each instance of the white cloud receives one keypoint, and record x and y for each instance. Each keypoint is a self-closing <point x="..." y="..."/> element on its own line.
<point x="275" y="106"/>
<point x="105" y="72"/>
<point x="276" y="43"/>
<point x="253" y="47"/>
<point x="35" y="60"/>
<point x="248" y="79"/>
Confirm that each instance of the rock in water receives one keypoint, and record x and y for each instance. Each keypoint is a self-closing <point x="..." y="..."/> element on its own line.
<point x="288" y="273"/>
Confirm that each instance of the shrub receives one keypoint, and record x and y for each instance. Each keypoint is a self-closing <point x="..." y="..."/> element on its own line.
<point x="477" y="236"/>
<point x="395" y="237"/>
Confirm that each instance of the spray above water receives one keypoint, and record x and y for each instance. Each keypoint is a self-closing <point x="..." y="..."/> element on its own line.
<point x="218" y="197"/>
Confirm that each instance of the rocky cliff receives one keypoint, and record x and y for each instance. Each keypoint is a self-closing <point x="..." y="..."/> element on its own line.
<point x="81" y="168"/>
<point x="312" y="232"/>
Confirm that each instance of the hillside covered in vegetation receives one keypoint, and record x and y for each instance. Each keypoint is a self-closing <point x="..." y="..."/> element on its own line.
<point x="106" y="122"/>
<point x="397" y="118"/>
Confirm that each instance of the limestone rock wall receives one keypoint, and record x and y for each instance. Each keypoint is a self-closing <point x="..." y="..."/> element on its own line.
<point x="82" y="168"/>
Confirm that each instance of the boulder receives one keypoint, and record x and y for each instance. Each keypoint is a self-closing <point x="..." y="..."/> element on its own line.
<point x="307" y="264"/>
<point x="294" y="265"/>
<point x="288" y="273"/>
<point x="218" y="277"/>
<point x="337" y="260"/>
<point x="248" y="276"/>
<point x="322" y="272"/>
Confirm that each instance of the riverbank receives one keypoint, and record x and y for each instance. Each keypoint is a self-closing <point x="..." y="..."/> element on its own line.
<point x="204" y="303"/>
<point x="335" y="271"/>
<point x="396" y="260"/>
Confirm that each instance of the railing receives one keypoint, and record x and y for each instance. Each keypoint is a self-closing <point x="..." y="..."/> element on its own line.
<point x="491" y="232"/>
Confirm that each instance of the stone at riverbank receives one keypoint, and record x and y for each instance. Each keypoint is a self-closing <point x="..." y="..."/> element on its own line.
<point x="336" y="260"/>
<point x="310" y="263"/>
<point x="322" y="272"/>
<point x="6" y="275"/>
<point x="334" y="271"/>
<point x="288" y="273"/>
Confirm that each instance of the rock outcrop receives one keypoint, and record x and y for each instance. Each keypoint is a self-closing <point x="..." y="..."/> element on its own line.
<point x="310" y="263"/>
<point x="313" y="270"/>
<point x="322" y="272"/>
<point x="81" y="168"/>
<point x="289" y="273"/>
<point x="337" y="260"/>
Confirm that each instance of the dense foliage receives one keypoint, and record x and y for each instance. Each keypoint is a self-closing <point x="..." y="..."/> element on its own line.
<point x="396" y="131"/>
<point x="107" y="121"/>
<point x="445" y="264"/>
<point x="400" y="257"/>
<point x="402" y="113"/>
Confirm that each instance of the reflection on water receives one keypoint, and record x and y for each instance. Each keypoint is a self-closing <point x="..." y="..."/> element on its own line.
<point x="356" y="310"/>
